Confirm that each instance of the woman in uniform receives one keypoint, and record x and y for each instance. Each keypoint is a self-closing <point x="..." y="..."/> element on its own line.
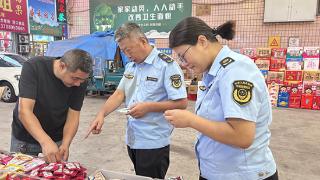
<point x="233" y="110"/>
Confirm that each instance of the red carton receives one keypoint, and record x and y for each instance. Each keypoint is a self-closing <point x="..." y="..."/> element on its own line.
<point x="279" y="53"/>
<point x="306" y="101"/>
<point x="294" y="101"/>
<point x="316" y="103"/>
<point x="293" y="76"/>
<point x="275" y="77"/>
<point x="277" y="64"/>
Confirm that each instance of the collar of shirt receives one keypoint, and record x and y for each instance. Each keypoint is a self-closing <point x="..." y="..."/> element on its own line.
<point x="214" y="69"/>
<point x="150" y="58"/>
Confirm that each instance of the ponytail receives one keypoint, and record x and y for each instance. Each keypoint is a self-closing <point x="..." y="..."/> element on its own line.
<point x="226" y="30"/>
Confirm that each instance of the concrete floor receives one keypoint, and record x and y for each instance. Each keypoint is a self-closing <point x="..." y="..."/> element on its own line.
<point x="295" y="143"/>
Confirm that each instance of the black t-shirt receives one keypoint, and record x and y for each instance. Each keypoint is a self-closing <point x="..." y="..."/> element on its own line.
<point x="52" y="99"/>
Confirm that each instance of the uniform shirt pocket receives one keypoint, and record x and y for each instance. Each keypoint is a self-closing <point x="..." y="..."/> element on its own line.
<point x="151" y="83"/>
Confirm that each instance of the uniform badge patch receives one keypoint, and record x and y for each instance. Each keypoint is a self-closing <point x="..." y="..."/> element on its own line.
<point x="226" y="61"/>
<point x="165" y="57"/>
<point x="128" y="76"/>
<point x="152" y="79"/>
<point x="242" y="92"/>
<point x="202" y="88"/>
<point x="176" y="81"/>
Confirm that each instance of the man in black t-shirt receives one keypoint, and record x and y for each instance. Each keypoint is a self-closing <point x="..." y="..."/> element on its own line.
<point x="46" y="116"/>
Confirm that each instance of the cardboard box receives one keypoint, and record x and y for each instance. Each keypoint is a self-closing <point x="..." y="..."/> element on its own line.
<point x="275" y="77"/>
<point x="316" y="103"/>
<point x="294" y="52"/>
<point x="293" y="76"/>
<point x="262" y="63"/>
<point x="273" y="92"/>
<point x="295" y="89"/>
<point x="311" y="76"/>
<point x="283" y="100"/>
<point x="279" y="53"/>
<point x="306" y="101"/>
<point x="311" y="63"/>
<point x="294" y="101"/>
<point x="294" y="63"/>
<point x="263" y="52"/>
<point x="250" y="52"/>
<point x="277" y="64"/>
<point x="265" y="74"/>
<point x="311" y="52"/>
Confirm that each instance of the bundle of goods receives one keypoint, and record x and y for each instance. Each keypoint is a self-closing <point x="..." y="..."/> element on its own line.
<point x="19" y="165"/>
<point x="311" y="58"/>
<point x="294" y="58"/>
<point x="278" y="59"/>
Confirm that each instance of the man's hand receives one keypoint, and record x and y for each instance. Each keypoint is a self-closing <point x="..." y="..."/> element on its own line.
<point x="179" y="118"/>
<point x="50" y="151"/>
<point x="96" y="125"/>
<point x="64" y="152"/>
<point x="138" y="110"/>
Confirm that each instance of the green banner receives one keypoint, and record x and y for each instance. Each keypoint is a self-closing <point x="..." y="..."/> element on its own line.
<point x="152" y="15"/>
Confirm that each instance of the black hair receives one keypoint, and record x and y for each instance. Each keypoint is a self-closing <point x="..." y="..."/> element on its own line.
<point x="78" y="59"/>
<point x="188" y="30"/>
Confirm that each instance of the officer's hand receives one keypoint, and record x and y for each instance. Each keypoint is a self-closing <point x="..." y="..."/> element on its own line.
<point x="138" y="110"/>
<point x="50" y="151"/>
<point x="179" y="118"/>
<point x="96" y="125"/>
<point x="64" y="152"/>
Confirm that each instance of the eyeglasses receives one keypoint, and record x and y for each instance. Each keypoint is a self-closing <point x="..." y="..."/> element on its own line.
<point x="181" y="58"/>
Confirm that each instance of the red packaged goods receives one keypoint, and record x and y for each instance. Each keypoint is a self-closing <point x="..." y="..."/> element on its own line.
<point x="50" y="167"/>
<point x="279" y="53"/>
<point x="59" y="169"/>
<point x="311" y="58"/>
<point x="293" y="76"/>
<point x="309" y="88"/>
<point x="262" y="63"/>
<point x="34" y="163"/>
<point x="275" y="77"/>
<point x="306" y="101"/>
<point x="294" y="101"/>
<point x="311" y="76"/>
<point x="250" y="52"/>
<point x="316" y="103"/>
<point x="273" y="92"/>
<point x="263" y="52"/>
<point x="294" y="52"/>
<point x="311" y="52"/>
<point x="277" y="64"/>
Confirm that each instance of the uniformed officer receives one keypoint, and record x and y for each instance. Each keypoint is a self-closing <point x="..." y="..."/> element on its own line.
<point x="151" y="84"/>
<point x="233" y="110"/>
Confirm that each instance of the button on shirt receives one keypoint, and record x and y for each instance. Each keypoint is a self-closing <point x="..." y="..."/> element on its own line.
<point x="150" y="81"/>
<point x="215" y="102"/>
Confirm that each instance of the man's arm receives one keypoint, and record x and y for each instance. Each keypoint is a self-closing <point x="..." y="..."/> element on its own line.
<point x="33" y="126"/>
<point x="69" y="131"/>
<point x="113" y="102"/>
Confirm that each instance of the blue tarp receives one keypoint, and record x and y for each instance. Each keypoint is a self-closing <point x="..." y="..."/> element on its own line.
<point x="101" y="46"/>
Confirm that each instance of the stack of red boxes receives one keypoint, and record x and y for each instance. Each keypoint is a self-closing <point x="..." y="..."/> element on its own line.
<point x="263" y="58"/>
<point x="278" y="59"/>
<point x="293" y="82"/>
